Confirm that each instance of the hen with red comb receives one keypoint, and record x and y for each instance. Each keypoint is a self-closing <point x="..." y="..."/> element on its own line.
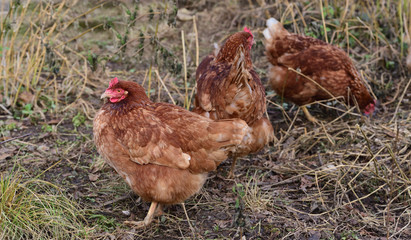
<point x="248" y="30"/>
<point x="228" y="87"/>
<point x="162" y="151"/>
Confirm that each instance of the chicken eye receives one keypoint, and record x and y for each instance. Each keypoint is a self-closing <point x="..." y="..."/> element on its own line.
<point x="118" y="90"/>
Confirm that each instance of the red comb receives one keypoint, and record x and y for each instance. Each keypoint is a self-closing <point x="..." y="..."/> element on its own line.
<point x="113" y="82"/>
<point x="248" y="30"/>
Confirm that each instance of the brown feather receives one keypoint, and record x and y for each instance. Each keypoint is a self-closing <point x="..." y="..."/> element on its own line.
<point x="228" y="87"/>
<point x="162" y="151"/>
<point x="329" y="66"/>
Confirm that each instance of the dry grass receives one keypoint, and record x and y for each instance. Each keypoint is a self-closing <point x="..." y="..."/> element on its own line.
<point x="36" y="55"/>
<point x="347" y="178"/>
<point x="36" y="209"/>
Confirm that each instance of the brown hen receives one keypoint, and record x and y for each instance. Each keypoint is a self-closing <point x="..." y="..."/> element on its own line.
<point x="161" y="150"/>
<point x="333" y="72"/>
<point x="228" y="87"/>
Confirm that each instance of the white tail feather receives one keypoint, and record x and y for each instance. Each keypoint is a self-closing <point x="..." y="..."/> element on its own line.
<point x="271" y="22"/>
<point x="267" y="34"/>
<point x="216" y="48"/>
<point x="273" y="27"/>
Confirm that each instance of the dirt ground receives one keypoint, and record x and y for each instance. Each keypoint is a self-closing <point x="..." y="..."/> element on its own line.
<point x="347" y="178"/>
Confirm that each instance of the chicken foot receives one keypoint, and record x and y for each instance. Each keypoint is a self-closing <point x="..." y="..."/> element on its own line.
<point x="159" y="211"/>
<point x="148" y="219"/>
<point x="308" y="115"/>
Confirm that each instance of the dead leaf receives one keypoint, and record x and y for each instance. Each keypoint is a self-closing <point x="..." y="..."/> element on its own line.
<point x="93" y="177"/>
<point x="5" y="138"/>
<point x="43" y="148"/>
<point x="306" y="181"/>
<point x="275" y="179"/>
<point x="43" y="135"/>
<point x="330" y="168"/>
<point x="184" y="15"/>
<point x="349" y="208"/>
<point x="228" y="199"/>
<point x="64" y="175"/>
<point x="35" y="160"/>
<point x="313" y="206"/>
<point x="3" y="156"/>
<point x="26" y="97"/>
<point x="54" y="121"/>
<point x="288" y="142"/>
<point x="222" y="223"/>
<point x="390" y="218"/>
<point x="53" y="151"/>
<point x="8" y="150"/>
<point x="314" y="235"/>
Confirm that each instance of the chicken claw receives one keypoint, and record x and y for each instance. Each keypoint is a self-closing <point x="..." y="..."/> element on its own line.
<point x="308" y="115"/>
<point x="147" y="220"/>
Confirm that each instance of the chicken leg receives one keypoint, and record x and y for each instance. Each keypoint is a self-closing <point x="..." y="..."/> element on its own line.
<point x="147" y="220"/>
<point x="159" y="211"/>
<point x="231" y="173"/>
<point x="308" y="115"/>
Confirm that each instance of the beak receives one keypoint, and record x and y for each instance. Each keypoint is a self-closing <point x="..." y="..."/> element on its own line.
<point x="104" y="95"/>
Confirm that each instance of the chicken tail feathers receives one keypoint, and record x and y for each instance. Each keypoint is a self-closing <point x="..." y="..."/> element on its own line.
<point x="274" y="28"/>
<point x="228" y="132"/>
<point x="216" y="49"/>
<point x="257" y="136"/>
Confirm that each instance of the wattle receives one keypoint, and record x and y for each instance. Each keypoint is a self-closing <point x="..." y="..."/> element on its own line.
<point x="116" y="99"/>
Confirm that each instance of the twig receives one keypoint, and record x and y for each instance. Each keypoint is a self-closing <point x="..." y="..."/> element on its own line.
<point x="192" y="93"/>
<point x="399" y="102"/>
<point x="186" y="105"/>
<point x="162" y="83"/>
<point x="188" y="220"/>
<point x="317" y="84"/>
<point x="282" y="109"/>
<point x="12" y="139"/>
<point x="5" y="109"/>
<point x="197" y="47"/>
<point x="323" y="20"/>
<point x="80" y="35"/>
<point x="338" y="207"/>
<point x="98" y="5"/>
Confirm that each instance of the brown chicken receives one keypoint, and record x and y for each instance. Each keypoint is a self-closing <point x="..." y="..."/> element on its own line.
<point x="330" y="68"/>
<point x="228" y="87"/>
<point x="161" y="150"/>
